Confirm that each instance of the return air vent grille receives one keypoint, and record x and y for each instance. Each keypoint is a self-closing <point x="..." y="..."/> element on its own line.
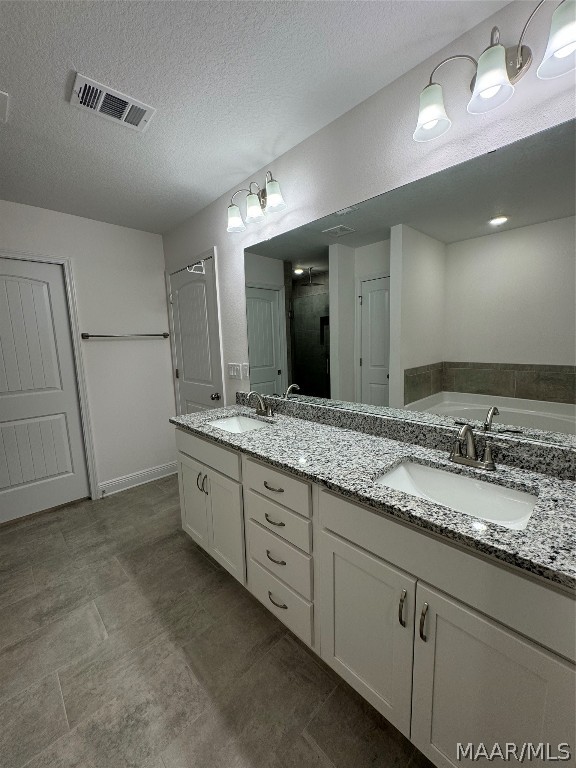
<point x="339" y="231"/>
<point x="110" y="104"/>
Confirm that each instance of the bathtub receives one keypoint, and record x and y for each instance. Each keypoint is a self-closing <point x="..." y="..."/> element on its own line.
<point x="524" y="414"/>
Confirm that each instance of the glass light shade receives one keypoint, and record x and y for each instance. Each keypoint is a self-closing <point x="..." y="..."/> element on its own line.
<point x="274" y="200"/>
<point x="432" y="118"/>
<point x="235" y="223"/>
<point x="254" y="212"/>
<point x="492" y="87"/>
<point x="560" y="56"/>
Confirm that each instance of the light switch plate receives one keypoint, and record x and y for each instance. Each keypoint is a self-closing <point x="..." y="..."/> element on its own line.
<point x="234" y="371"/>
<point x="245" y="371"/>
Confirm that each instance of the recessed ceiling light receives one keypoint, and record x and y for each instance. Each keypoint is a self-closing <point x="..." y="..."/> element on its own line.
<point x="298" y="271"/>
<point x="498" y="220"/>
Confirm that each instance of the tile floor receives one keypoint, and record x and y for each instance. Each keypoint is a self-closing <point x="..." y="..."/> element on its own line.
<point x="123" y="646"/>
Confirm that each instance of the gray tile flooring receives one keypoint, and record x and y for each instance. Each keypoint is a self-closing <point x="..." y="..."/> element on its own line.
<point x="123" y="646"/>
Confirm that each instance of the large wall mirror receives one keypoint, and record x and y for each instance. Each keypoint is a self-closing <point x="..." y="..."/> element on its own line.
<point x="446" y="296"/>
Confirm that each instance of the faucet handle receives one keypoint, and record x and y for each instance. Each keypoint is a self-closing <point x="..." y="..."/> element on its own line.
<point x="456" y="449"/>
<point x="487" y="458"/>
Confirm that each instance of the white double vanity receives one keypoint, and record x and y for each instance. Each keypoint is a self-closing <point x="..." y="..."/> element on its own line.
<point x="457" y="630"/>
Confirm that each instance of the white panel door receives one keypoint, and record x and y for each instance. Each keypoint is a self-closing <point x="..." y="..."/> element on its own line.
<point x="375" y="340"/>
<point x="42" y="457"/>
<point x="196" y="339"/>
<point x="226" y="523"/>
<point x="264" y="340"/>
<point x="367" y="626"/>
<point x="477" y="682"/>
<point x="192" y="477"/>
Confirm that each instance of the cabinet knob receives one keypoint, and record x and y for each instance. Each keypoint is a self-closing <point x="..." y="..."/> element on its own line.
<point x="401" y="618"/>
<point x="423" y="621"/>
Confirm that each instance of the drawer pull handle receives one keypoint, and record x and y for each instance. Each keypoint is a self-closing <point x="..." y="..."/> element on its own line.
<point x="271" y="488"/>
<point x="273" y="522"/>
<point x="401" y="618"/>
<point x="278" y="605"/>
<point x="204" y="483"/>
<point x="422" y="620"/>
<point x="278" y="562"/>
<point x="197" y="483"/>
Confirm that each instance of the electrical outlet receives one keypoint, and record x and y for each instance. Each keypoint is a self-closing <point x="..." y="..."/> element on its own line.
<point x="245" y="371"/>
<point x="234" y="371"/>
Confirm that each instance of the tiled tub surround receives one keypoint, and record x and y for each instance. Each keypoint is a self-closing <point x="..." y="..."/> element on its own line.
<point x="347" y="462"/>
<point x="548" y="453"/>
<point x="550" y="383"/>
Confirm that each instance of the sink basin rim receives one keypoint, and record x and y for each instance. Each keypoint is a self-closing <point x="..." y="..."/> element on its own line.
<point x="238" y="424"/>
<point x="463" y="494"/>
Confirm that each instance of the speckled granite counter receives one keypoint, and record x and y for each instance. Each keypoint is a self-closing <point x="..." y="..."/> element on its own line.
<point x="348" y="462"/>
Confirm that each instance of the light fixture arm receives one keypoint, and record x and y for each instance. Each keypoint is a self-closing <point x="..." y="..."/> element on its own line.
<point x="451" y="58"/>
<point x="237" y="193"/>
<point x="523" y="33"/>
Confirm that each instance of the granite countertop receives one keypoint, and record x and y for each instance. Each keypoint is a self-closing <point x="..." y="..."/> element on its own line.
<point x="348" y="462"/>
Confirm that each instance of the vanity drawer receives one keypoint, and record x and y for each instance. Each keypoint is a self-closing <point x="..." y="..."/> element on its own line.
<point x="289" y="607"/>
<point x="284" y="489"/>
<point x="224" y="461"/>
<point x="283" y="559"/>
<point x="279" y="520"/>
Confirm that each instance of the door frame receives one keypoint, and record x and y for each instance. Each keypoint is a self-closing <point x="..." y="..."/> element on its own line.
<point x="80" y="373"/>
<point x="282" y="330"/>
<point x="209" y="253"/>
<point x="358" y="331"/>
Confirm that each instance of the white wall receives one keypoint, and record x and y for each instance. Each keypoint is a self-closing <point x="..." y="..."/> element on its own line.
<point x="119" y="277"/>
<point x="370" y="150"/>
<point x="511" y="296"/>
<point x="372" y="260"/>
<point x="417" y="304"/>
<point x="342" y="309"/>
<point x="261" y="270"/>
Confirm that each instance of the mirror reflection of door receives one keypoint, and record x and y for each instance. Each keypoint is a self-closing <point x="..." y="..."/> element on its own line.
<point x="265" y="342"/>
<point x="375" y="340"/>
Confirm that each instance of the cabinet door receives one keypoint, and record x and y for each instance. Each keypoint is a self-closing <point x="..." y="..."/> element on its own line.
<point x="193" y="500"/>
<point x="226" y="517"/>
<point x="476" y="681"/>
<point x="367" y="626"/>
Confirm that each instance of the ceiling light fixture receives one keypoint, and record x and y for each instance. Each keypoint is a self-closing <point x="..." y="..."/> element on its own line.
<point x="298" y="271"/>
<point x="499" y="69"/>
<point x="498" y="220"/>
<point x="264" y="200"/>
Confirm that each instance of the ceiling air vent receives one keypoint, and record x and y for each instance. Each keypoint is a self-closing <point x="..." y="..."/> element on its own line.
<point x="338" y="231"/>
<point x="110" y="104"/>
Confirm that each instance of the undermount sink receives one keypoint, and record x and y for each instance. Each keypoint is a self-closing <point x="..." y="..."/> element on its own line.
<point x="486" y="501"/>
<point x="238" y="424"/>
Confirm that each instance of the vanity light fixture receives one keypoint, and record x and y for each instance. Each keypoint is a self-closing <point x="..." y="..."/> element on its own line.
<point x="497" y="221"/>
<point x="298" y="271"/>
<point x="264" y="200"/>
<point x="499" y="69"/>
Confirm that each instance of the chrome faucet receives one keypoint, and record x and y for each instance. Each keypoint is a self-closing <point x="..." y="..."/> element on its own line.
<point x="291" y="388"/>
<point x="493" y="411"/>
<point x="470" y="457"/>
<point x="261" y="409"/>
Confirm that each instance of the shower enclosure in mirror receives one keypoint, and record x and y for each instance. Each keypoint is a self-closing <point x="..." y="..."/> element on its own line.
<point x="446" y="296"/>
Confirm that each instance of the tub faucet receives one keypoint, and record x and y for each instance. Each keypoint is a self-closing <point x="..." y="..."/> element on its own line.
<point x="470" y="457"/>
<point x="261" y="409"/>
<point x="291" y="388"/>
<point x="489" y="416"/>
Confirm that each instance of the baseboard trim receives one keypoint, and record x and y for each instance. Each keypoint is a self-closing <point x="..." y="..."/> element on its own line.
<point x="136" y="478"/>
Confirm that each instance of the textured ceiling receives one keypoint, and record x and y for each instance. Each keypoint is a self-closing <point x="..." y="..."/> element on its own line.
<point x="531" y="181"/>
<point x="236" y="84"/>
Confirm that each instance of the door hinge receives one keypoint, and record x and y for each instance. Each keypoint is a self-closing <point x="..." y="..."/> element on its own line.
<point x="280" y="372"/>
<point x="177" y="373"/>
<point x="361" y="300"/>
<point x="360" y="362"/>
